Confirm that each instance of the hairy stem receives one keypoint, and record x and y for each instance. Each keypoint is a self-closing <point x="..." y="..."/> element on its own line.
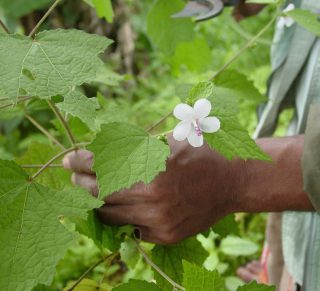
<point x="40" y="166"/>
<point x="110" y="257"/>
<point x="63" y="122"/>
<point x="244" y="48"/>
<point x="35" y="29"/>
<point x="163" y="119"/>
<point x="51" y="161"/>
<point x="4" y="27"/>
<point x="12" y="104"/>
<point x="44" y="131"/>
<point x="153" y="265"/>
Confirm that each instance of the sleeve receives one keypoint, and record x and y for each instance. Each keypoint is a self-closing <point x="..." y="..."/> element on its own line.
<point x="311" y="156"/>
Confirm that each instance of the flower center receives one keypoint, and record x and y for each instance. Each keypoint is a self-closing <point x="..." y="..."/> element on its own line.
<point x="197" y="127"/>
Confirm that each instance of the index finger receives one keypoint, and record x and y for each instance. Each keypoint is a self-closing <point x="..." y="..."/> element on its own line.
<point x="80" y="161"/>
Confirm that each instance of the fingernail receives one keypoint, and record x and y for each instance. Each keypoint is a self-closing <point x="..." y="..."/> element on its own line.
<point x="66" y="163"/>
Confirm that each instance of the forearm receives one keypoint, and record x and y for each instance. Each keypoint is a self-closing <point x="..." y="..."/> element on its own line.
<point x="275" y="186"/>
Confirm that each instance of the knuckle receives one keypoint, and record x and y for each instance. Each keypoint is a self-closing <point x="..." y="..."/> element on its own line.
<point x="170" y="237"/>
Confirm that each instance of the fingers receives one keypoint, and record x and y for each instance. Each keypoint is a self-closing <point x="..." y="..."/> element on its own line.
<point x="137" y="193"/>
<point x="80" y="161"/>
<point x="86" y="181"/>
<point x="250" y="271"/>
<point x="120" y="215"/>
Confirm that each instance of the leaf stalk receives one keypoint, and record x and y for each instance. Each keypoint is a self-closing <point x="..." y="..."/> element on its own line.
<point x="44" y="131"/>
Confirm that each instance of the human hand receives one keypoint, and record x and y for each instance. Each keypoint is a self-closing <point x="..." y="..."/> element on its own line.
<point x="196" y="190"/>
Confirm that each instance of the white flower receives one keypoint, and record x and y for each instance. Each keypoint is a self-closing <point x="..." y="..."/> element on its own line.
<point x="286" y="21"/>
<point x="194" y="121"/>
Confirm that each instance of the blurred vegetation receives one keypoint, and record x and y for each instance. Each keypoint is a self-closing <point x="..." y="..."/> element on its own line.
<point x="139" y="84"/>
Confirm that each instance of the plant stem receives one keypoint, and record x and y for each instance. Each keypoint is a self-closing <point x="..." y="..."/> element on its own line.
<point x="63" y="122"/>
<point x="51" y="161"/>
<point x="44" y="131"/>
<point x="153" y="265"/>
<point x="4" y="27"/>
<point x="34" y="30"/>
<point x="110" y="257"/>
<point x="244" y="48"/>
<point x="40" y="166"/>
<point x="164" y="118"/>
<point x="12" y="104"/>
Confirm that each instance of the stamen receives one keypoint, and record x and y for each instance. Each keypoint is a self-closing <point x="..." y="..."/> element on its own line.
<point x="197" y="127"/>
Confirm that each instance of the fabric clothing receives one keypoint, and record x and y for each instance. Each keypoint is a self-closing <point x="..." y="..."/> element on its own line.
<point x="295" y="82"/>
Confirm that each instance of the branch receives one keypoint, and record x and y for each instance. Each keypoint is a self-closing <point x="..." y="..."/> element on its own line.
<point x="110" y="257"/>
<point x="44" y="131"/>
<point x="244" y="48"/>
<point x="163" y="119"/>
<point x="34" y="30"/>
<point x="50" y="162"/>
<point x="4" y="27"/>
<point x="63" y="122"/>
<point x="153" y="265"/>
<point x="12" y="104"/>
<point x="40" y="166"/>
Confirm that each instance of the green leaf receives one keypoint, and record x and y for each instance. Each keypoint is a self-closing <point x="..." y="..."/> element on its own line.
<point x="20" y="8"/>
<point x="107" y="77"/>
<point x="52" y="64"/>
<point x="86" y="285"/>
<point x="195" y="55"/>
<point x="307" y="19"/>
<point x="254" y="286"/>
<point x="169" y="259"/>
<point x="104" y="236"/>
<point x="165" y="31"/>
<point x="39" y="154"/>
<point x="201" y="90"/>
<point x="199" y="279"/>
<point x="78" y="105"/>
<point x="137" y="285"/>
<point x="234" y="84"/>
<point x="33" y="238"/>
<point x="263" y="1"/>
<point x="124" y="155"/>
<point x="104" y="9"/>
<point x="226" y="226"/>
<point x="236" y="246"/>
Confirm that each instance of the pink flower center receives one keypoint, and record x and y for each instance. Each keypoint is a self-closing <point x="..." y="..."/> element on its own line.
<point x="197" y="127"/>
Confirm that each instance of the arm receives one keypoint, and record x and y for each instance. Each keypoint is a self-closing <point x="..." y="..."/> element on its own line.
<point x="199" y="187"/>
<point x="276" y="186"/>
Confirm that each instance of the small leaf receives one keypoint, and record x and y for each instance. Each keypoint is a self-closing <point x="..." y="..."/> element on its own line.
<point x="307" y="19"/>
<point x="137" y="285"/>
<point x="165" y="31"/>
<point x="124" y="155"/>
<point x="236" y="246"/>
<point x="20" y="8"/>
<point x="104" y="9"/>
<point x="254" y="286"/>
<point x="226" y="226"/>
<point x="169" y="259"/>
<point x="200" y="91"/>
<point x="78" y="105"/>
<point x="198" y="278"/>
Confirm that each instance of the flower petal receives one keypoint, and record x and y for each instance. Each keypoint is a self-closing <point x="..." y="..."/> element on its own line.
<point x="195" y="140"/>
<point x="281" y="23"/>
<point x="183" y="112"/>
<point x="210" y="124"/>
<point x="182" y="130"/>
<point x="202" y="108"/>
<point x="290" y="7"/>
<point x="288" y="21"/>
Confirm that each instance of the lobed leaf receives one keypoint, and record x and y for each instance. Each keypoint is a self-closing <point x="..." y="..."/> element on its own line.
<point x="33" y="238"/>
<point x="169" y="259"/>
<point x="124" y="155"/>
